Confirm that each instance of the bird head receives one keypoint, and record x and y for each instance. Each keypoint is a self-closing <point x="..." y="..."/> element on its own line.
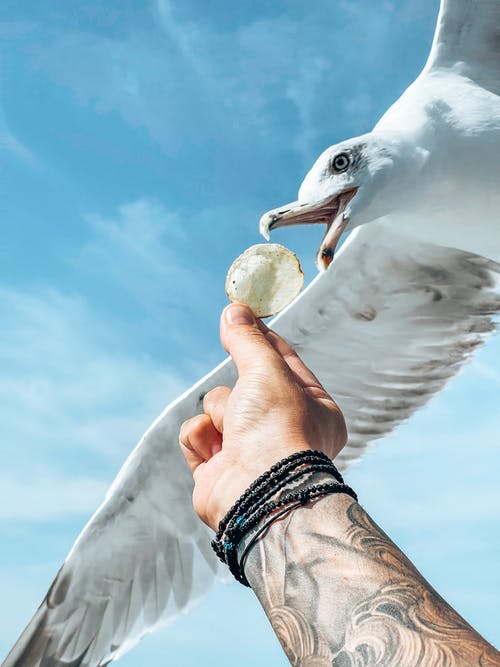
<point x="350" y="184"/>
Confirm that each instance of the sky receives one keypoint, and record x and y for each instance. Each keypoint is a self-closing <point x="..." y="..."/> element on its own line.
<point x="140" y="141"/>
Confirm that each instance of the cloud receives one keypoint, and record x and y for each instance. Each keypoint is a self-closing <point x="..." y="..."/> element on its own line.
<point x="86" y="368"/>
<point x="67" y="387"/>
<point x="488" y="373"/>
<point x="284" y="83"/>
<point x="139" y="249"/>
<point x="155" y="268"/>
<point x="11" y="145"/>
<point x="46" y="495"/>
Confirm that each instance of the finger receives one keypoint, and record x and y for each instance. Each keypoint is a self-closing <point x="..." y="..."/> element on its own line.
<point x="244" y="341"/>
<point x="301" y="372"/>
<point x="199" y="440"/>
<point x="214" y="405"/>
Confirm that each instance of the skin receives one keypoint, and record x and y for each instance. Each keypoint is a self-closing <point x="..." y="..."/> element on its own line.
<point x="336" y="590"/>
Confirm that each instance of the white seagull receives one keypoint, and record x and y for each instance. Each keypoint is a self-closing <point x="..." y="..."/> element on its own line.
<point x="410" y="295"/>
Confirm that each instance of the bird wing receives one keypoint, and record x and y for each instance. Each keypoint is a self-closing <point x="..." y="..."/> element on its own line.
<point x="389" y="324"/>
<point x="467" y="40"/>
<point x="384" y="328"/>
<point x="143" y="557"/>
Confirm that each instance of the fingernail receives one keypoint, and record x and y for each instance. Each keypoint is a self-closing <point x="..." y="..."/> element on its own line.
<point x="239" y="315"/>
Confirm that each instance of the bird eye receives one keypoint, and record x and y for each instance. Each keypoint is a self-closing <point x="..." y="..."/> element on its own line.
<point x="340" y="162"/>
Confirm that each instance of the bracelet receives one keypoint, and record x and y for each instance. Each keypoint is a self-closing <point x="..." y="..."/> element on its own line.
<point x="253" y="506"/>
<point x="235" y="524"/>
<point x="290" y="462"/>
<point x="265" y="486"/>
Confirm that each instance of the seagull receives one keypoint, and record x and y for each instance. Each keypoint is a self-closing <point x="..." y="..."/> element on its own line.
<point x="387" y="322"/>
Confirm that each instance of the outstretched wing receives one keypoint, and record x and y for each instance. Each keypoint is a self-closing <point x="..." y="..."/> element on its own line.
<point x="389" y="324"/>
<point x="384" y="329"/>
<point x="467" y="39"/>
<point x="143" y="557"/>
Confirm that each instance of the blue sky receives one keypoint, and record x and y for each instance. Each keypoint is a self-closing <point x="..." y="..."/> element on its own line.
<point x="139" y="144"/>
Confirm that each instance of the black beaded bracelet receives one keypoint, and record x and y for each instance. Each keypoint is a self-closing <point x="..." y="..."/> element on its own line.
<point x="290" y="462"/>
<point x="280" y="481"/>
<point x="268" y="485"/>
<point x="253" y="505"/>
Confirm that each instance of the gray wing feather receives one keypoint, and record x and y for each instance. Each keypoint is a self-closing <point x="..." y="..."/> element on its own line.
<point x="384" y="329"/>
<point x="143" y="557"/>
<point x="389" y="325"/>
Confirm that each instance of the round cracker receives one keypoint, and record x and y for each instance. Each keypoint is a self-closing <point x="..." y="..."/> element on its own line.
<point x="266" y="277"/>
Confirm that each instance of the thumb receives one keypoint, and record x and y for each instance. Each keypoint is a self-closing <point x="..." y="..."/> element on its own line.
<point x="245" y="341"/>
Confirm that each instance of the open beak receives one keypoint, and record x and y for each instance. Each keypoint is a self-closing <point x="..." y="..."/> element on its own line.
<point x="328" y="211"/>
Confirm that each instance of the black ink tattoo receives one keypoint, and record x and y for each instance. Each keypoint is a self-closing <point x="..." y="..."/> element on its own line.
<point x="339" y="593"/>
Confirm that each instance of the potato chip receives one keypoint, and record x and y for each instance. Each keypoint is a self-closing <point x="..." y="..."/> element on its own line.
<point x="266" y="277"/>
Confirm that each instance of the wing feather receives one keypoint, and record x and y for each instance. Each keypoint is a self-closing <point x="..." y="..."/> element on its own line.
<point x="390" y="324"/>
<point x="467" y="39"/>
<point x="384" y="329"/>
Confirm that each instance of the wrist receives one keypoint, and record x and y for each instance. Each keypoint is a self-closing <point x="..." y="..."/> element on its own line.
<point x="285" y="486"/>
<point x="276" y="527"/>
<point x="235" y="475"/>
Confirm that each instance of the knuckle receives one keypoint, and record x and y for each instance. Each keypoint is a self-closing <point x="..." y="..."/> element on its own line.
<point x="197" y="422"/>
<point x="188" y="427"/>
<point x="184" y="439"/>
<point x="211" y="395"/>
<point x="183" y="430"/>
<point x="214" y="396"/>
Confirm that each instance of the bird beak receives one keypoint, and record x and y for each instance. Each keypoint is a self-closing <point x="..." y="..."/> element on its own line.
<point x="329" y="211"/>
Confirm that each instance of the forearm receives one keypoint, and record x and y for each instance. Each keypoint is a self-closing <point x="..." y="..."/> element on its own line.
<point x="338" y="592"/>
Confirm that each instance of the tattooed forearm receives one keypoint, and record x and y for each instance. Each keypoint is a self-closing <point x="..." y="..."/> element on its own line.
<point x="338" y="592"/>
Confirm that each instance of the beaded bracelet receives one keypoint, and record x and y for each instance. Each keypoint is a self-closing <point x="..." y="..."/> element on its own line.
<point x="253" y="506"/>
<point x="269" y="483"/>
<point x="235" y="524"/>
<point x="292" y="461"/>
<point x="273" y="479"/>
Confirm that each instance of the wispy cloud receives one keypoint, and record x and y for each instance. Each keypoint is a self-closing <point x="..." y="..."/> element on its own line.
<point x="67" y="387"/>
<point x="139" y="248"/>
<point x="45" y="495"/>
<point x="11" y="145"/>
<point x="488" y="373"/>
<point x="151" y="263"/>
<point x="76" y="376"/>
<point x="67" y="384"/>
<point x="193" y="73"/>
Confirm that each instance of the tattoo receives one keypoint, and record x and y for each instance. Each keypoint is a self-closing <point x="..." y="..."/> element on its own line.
<point x="339" y="593"/>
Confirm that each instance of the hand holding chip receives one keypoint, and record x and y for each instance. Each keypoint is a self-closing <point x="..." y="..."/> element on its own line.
<point x="276" y="408"/>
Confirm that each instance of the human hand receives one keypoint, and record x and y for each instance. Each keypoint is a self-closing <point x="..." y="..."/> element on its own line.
<point x="277" y="407"/>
